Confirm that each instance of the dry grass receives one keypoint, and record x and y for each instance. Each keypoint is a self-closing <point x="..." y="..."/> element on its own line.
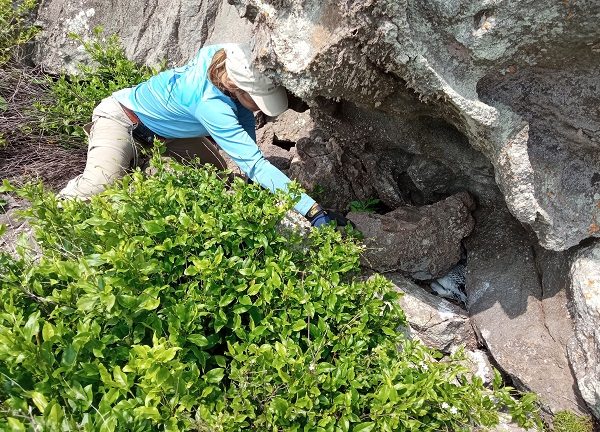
<point x="28" y="153"/>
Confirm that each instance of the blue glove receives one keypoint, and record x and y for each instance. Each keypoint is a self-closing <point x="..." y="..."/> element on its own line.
<point x="320" y="219"/>
<point x="317" y="217"/>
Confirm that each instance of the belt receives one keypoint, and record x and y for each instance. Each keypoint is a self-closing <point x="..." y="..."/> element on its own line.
<point x="140" y="132"/>
<point x="130" y="114"/>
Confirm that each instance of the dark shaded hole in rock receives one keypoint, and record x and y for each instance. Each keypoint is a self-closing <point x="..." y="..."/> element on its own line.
<point x="250" y="12"/>
<point x="295" y="103"/>
<point x="329" y="106"/>
<point x="586" y="242"/>
<point x="410" y="193"/>
<point x="381" y="208"/>
<point x="377" y="206"/>
<point x="284" y="144"/>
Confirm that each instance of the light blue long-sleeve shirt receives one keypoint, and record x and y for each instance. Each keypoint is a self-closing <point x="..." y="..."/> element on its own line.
<point x="183" y="103"/>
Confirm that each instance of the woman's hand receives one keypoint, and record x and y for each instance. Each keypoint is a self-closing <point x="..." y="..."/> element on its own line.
<point x="318" y="216"/>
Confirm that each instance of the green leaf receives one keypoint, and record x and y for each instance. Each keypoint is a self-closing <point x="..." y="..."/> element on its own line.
<point x="226" y="299"/>
<point x="47" y="331"/>
<point x="39" y="400"/>
<point x="150" y="413"/>
<point x="108" y="423"/>
<point x="6" y="186"/>
<point x="280" y="405"/>
<point x="31" y="327"/>
<point x="87" y="302"/>
<point x="363" y="427"/>
<point x="149" y="303"/>
<point x="166" y="355"/>
<point x="221" y="361"/>
<point x="191" y="271"/>
<point x="240" y="308"/>
<point x="120" y="377"/>
<point x="14" y="424"/>
<point x="69" y="356"/>
<point x="105" y="376"/>
<point x="245" y="300"/>
<point x="198" y="339"/>
<point x="214" y="375"/>
<point x="299" y="325"/>
<point x="153" y="227"/>
<point x="325" y="367"/>
<point x="171" y="425"/>
<point x="96" y="221"/>
<point x="254" y="289"/>
<point x="55" y="414"/>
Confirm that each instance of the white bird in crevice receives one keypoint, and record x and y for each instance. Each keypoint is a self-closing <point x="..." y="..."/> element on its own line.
<point x="452" y="285"/>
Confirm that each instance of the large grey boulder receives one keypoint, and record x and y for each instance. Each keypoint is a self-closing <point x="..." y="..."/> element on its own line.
<point x="151" y="31"/>
<point x="517" y="303"/>
<point x="423" y="242"/>
<point x="517" y="82"/>
<point x="584" y="347"/>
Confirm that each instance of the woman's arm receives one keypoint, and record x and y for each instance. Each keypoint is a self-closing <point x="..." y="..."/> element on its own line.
<point x="234" y="133"/>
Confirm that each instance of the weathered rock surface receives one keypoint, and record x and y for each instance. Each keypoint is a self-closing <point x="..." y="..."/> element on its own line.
<point x="289" y="128"/>
<point x="435" y="321"/>
<point x="517" y="303"/>
<point x="423" y="242"/>
<point x="519" y="83"/>
<point x="150" y="30"/>
<point x="277" y="139"/>
<point x="478" y="362"/>
<point x="584" y="347"/>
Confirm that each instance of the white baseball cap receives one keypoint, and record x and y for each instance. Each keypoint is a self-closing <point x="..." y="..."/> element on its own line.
<point x="269" y="97"/>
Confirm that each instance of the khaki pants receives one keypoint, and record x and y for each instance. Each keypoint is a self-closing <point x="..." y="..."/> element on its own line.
<point x="112" y="150"/>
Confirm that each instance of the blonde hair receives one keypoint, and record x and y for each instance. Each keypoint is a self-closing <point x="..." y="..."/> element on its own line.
<point x="217" y="73"/>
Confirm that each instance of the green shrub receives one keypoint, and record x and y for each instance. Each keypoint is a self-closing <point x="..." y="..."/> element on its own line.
<point x="74" y="97"/>
<point x="172" y="302"/>
<point x="15" y="29"/>
<point x="567" y="421"/>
